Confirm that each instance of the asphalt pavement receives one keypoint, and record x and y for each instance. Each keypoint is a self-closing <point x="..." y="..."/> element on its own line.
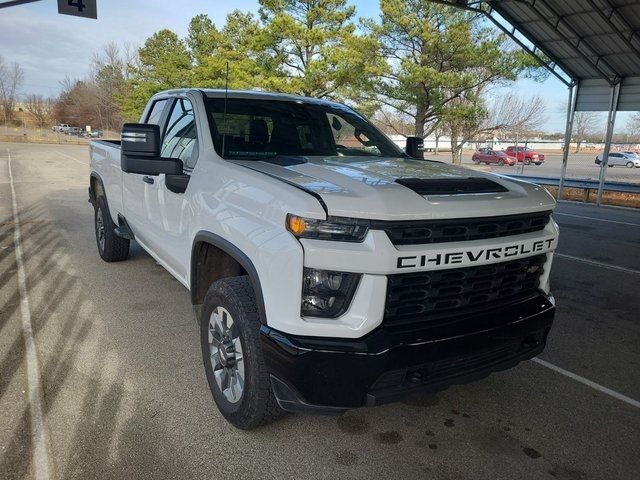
<point x="123" y="392"/>
<point x="579" y="165"/>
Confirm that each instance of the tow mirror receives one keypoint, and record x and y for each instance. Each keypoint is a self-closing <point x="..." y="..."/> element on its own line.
<point x="415" y="147"/>
<point x="140" y="139"/>
<point x="140" y="151"/>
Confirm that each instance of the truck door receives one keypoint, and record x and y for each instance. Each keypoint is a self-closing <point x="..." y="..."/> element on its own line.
<point x="168" y="214"/>
<point x="137" y="189"/>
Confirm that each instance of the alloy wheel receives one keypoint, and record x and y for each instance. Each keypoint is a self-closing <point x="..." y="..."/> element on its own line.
<point x="225" y="352"/>
<point x="100" y="230"/>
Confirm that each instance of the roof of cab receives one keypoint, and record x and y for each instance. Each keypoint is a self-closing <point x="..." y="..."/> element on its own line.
<point x="247" y="94"/>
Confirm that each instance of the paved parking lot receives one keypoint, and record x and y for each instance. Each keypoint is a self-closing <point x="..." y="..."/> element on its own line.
<point x="579" y="165"/>
<point x="124" y="394"/>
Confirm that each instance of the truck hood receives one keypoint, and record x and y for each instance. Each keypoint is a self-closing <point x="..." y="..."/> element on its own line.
<point x="366" y="187"/>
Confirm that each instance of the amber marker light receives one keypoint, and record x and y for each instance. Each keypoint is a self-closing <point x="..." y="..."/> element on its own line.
<point x="296" y="225"/>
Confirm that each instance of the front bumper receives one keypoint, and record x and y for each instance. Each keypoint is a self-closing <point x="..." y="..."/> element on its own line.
<point x="328" y="375"/>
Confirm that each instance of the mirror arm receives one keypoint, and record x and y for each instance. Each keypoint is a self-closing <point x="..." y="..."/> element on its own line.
<point x="177" y="183"/>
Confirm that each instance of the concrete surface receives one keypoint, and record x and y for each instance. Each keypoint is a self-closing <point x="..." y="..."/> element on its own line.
<point x="579" y="165"/>
<point x="125" y="394"/>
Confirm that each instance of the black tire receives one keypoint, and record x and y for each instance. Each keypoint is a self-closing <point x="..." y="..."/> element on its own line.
<point x="257" y="404"/>
<point x="527" y="161"/>
<point x="538" y="163"/>
<point x="500" y="163"/>
<point x="113" y="248"/>
<point x="629" y="164"/>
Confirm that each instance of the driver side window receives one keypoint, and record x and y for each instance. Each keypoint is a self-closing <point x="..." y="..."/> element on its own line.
<point x="180" y="138"/>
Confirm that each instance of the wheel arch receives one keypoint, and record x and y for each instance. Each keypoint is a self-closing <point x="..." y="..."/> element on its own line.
<point x="96" y="187"/>
<point x="212" y="258"/>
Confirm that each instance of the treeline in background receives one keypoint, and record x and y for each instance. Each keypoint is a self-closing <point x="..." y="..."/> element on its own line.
<point x="420" y="68"/>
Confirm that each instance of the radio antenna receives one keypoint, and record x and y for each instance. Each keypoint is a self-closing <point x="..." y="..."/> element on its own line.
<point x="224" y="114"/>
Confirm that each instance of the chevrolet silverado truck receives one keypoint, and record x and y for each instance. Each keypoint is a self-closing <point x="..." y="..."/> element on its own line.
<point x="328" y="268"/>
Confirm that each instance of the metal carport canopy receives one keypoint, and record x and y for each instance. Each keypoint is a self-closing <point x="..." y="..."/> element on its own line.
<point x="595" y="42"/>
<point x="592" y="46"/>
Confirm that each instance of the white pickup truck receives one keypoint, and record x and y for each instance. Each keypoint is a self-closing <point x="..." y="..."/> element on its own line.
<point x="328" y="269"/>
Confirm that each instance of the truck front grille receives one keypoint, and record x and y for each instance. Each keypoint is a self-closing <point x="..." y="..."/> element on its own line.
<point x="440" y="295"/>
<point x="461" y="229"/>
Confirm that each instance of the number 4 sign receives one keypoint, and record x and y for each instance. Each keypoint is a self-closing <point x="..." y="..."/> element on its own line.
<point x="79" y="8"/>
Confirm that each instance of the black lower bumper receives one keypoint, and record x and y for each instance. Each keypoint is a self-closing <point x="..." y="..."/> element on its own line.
<point x="328" y="375"/>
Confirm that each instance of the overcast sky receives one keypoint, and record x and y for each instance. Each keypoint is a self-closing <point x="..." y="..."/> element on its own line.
<point x="50" y="47"/>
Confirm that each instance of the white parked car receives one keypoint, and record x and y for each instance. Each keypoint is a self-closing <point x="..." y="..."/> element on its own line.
<point x="621" y="159"/>
<point x="62" y="127"/>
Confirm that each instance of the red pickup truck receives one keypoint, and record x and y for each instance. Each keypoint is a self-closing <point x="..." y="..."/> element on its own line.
<point x="525" y="155"/>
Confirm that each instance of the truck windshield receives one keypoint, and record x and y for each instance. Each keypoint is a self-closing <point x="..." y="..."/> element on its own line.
<point x="257" y="129"/>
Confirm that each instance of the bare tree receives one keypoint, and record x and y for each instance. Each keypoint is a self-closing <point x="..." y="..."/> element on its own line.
<point x="513" y="114"/>
<point x="440" y="130"/>
<point x="110" y="71"/>
<point x="583" y="124"/>
<point x="393" y="122"/>
<point x="40" y="109"/>
<point x="93" y="101"/>
<point x="11" y="77"/>
<point x="510" y="114"/>
<point x="633" y="127"/>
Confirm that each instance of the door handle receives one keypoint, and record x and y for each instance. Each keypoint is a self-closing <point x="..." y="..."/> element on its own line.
<point x="148" y="179"/>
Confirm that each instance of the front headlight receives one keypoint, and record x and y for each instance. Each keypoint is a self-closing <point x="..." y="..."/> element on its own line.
<point x="339" y="229"/>
<point x="327" y="293"/>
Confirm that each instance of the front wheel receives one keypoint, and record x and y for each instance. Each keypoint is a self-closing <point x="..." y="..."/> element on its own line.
<point x="500" y="163"/>
<point x="629" y="164"/>
<point x="527" y="161"/>
<point x="232" y="354"/>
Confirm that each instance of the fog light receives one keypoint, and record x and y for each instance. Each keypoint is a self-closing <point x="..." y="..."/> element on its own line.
<point x="327" y="293"/>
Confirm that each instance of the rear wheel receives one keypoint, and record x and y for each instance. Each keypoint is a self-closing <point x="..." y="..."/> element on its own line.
<point x="111" y="247"/>
<point x="501" y="162"/>
<point x="232" y="354"/>
<point x="527" y="161"/>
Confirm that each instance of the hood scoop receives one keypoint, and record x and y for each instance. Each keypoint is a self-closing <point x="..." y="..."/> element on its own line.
<point x="285" y="160"/>
<point x="451" y="186"/>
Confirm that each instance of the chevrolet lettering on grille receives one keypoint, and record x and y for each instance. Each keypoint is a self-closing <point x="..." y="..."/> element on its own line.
<point x="474" y="256"/>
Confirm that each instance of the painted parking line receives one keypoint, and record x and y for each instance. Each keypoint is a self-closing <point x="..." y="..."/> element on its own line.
<point x="586" y="381"/>
<point x="38" y="430"/>
<point x="598" y="264"/>
<point x="72" y="158"/>
<point x="597" y="219"/>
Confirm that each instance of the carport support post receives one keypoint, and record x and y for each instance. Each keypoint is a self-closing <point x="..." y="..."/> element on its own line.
<point x="611" y="120"/>
<point x="568" y="130"/>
